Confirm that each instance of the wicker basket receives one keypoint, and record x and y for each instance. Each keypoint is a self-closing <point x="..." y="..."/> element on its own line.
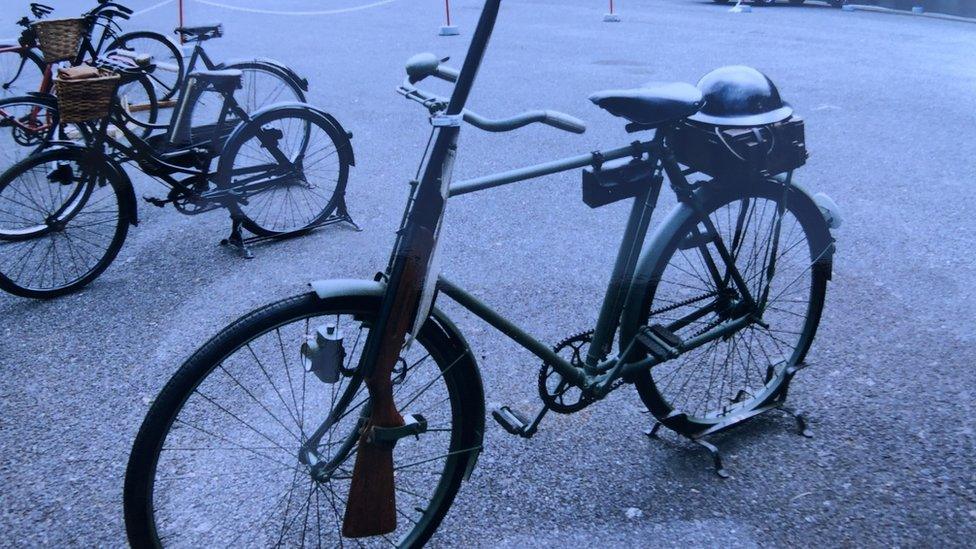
<point x="86" y="99"/>
<point x="59" y="39"/>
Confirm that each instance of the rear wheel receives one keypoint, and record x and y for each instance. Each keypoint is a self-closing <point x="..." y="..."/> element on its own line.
<point x="290" y="167"/>
<point x="28" y="124"/>
<point x="62" y="223"/>
<point x="748" y="368"/>
<point x="140" y="107"/>
<point x="216" y="461"/>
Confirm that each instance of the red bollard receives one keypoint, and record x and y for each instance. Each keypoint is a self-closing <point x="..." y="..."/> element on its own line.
<point x="448" y="29"/>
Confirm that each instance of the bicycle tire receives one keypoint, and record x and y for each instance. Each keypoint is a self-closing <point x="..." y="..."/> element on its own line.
<point x="176" y="403"/>
<point x="18" y="250"/>
<point x="655" y="386"/>
<point x="148" y="103"/>
<point x="33" y="130"/>
<point x="311" y="207"/>
<point x="171" y="69"/>
<point x="32" y="61"/>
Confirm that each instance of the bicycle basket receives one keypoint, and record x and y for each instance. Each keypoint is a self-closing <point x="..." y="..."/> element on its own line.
<point x="59" y="39"/>
<point x="741" y="153"/>
<point x="81" y="100"/>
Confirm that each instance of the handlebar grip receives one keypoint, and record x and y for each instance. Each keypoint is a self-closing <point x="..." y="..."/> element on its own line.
<point x="447" y="73"/>
<point x="564" y="122"/>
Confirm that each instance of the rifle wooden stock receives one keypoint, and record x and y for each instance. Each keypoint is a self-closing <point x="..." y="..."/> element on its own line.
<point x="371" y="508"/>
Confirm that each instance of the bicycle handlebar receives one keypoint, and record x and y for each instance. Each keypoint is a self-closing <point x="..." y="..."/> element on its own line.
<point x="110" y="9"/>
<point x="555" y="119"/>
<point x="424" y="65"/>
<point x="103" y="4"/>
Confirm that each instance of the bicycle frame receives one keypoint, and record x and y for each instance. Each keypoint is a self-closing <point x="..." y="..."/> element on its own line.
<point x="599" y="371"/>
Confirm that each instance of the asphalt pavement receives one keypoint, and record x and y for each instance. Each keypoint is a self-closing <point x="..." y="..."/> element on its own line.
<point x="890" y="107"/>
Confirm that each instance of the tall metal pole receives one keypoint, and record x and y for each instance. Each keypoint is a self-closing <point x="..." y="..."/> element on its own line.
<point x="182" y="38"/>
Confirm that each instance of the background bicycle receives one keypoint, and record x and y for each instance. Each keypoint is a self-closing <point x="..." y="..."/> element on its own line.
<point x="66" y="209"/>
<point x="149" y="101"/>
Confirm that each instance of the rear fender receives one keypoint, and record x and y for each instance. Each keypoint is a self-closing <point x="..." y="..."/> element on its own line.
<point x="474" y="389"/>
<point x="656" y="243"/>
<point x="345" y="144"/>
<point x="284" y="70"/>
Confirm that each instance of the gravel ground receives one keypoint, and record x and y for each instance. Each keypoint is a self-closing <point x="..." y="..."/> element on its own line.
<point x="889" y="105"/>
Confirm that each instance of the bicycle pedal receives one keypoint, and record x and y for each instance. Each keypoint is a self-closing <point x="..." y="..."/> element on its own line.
<point x="660" y="342"/>
<point x="158" y="202"/>
<point x="510" y="420"/>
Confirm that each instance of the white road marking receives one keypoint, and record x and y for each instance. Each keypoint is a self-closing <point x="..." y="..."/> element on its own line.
<point x="154" y="6"/>
<point x="301" y="13"/>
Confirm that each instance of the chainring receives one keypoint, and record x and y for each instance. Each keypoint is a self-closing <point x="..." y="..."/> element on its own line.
<point x="559" y="395"/>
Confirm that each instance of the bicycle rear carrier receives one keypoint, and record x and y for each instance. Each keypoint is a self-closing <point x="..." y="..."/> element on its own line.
<point x="741" y="152"/>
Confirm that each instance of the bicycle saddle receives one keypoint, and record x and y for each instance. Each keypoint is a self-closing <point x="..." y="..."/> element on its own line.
<point x="653" y="104"/>
<point x="200" y="33"/>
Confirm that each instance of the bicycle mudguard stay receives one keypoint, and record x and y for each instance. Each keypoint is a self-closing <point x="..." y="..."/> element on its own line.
<point x="630" y="318"/>
<point x="283" y="70"/>
<point x="326" y="289"/>
<point x="118" y="174"/>
<point x="345" y="148"/>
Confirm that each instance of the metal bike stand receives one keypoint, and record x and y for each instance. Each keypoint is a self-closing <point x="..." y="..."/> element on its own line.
<point x="701" y="439"/>
<point x="238" y="241"/>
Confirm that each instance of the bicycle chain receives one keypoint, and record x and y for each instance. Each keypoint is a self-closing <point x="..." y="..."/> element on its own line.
<point x="680" y="304"/>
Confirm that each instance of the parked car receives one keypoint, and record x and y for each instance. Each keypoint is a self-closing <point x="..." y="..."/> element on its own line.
<point x="834" y="3"/>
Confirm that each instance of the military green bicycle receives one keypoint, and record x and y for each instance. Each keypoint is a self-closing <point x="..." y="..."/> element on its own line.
<point x="352" y="414"/>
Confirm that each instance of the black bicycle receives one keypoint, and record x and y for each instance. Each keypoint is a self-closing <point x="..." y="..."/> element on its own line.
<point x="65" y="210"/>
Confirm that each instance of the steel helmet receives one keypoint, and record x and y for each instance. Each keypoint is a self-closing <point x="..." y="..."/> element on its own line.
<point x="740" y="96"/>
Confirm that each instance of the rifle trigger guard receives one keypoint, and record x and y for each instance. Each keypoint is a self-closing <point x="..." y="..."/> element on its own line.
<point x="414" y="425"/>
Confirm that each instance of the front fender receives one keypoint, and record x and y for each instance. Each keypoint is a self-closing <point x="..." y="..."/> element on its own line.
<point x="326" y="289"/>
<point x="116" y="173"/>
<point x="285" y="70"/>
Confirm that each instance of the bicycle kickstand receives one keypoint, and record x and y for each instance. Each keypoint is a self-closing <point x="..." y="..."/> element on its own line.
<point x="801" y="420"/>
<point x="236" y="238"/>
<point x="713" y="450"/>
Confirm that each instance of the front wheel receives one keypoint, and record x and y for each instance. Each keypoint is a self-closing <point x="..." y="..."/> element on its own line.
<point x="746" y="369"/>
<point x="62" y="222"/>
<point x="289" y="166"/>
<point x="217" y="460"/>
<point x="170" y="67"/>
